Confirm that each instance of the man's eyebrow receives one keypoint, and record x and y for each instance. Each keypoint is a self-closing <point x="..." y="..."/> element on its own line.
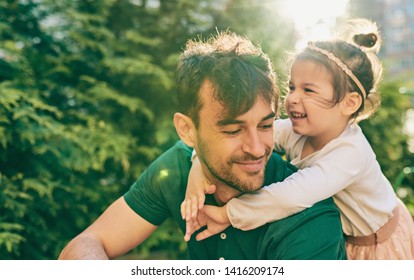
<point x="225" y="122"/>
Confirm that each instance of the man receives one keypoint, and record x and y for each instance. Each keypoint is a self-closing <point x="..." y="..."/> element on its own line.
<point x="228" y="98"/>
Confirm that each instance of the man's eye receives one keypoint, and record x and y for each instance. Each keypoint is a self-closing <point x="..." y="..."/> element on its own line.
<point x="267" y="126"/>
<point x="291" y="88"/>
<point x="309" y="90"/>
<point x="232" y="132"/>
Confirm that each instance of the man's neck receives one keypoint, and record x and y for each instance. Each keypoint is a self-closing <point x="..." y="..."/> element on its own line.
<point x="223" y="192"/>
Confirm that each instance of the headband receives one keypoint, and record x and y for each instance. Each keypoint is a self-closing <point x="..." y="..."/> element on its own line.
<point x="340" y="64"/>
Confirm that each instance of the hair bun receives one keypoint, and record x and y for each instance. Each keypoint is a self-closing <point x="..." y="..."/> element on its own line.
<point x="360" y="32"/>
<point x="365" y="40"/>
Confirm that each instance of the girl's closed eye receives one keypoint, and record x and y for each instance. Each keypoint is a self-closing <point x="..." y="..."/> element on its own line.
<point x="309" y="90"/>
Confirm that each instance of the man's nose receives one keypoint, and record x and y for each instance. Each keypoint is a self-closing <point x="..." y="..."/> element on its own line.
<point x="253" y="144"/>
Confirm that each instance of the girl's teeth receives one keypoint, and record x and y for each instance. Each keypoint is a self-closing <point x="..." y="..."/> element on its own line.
<point x="298" y="115"/>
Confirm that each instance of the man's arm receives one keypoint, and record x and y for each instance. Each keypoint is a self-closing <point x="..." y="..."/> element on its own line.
<point x="118" y="230"/>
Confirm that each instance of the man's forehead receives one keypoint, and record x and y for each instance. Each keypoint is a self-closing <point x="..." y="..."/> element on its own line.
<point x="217" y="110"/>
<point x="261" y="110"/>
<point x="229" y="120"/>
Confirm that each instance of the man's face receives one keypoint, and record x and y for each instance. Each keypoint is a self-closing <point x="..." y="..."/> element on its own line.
<point x="235" y="151"/>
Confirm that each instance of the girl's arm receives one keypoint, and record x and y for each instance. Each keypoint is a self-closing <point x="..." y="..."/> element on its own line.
<point x="329" y="175"/>
<point x="197" y="187"/>
<point x="282" y="134"/>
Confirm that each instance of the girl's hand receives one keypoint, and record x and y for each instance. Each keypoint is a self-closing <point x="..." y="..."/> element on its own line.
<point x="213" y="217"/>
<point x="197" y="187"/>
<point x="216" y="220"/>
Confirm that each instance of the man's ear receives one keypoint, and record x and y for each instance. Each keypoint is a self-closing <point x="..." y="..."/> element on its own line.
<point x="185" y="129"/>
<point x="351" y="103"/>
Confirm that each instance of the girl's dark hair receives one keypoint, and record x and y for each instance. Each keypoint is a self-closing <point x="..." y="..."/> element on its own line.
<point x="357" y="49"/>
<point x="365" y="40"/>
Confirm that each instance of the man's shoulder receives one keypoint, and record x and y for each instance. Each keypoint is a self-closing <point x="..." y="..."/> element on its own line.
<point x="159" y="190"/>
<point x="312" y="216"/>
<point x="177" y="159"/>
<point x="314" y="233"/>
<point x="324" y="207"/>
<point x="278" y="169"/>
<point x="179" y="151"/>
<point x="173" y="165"/>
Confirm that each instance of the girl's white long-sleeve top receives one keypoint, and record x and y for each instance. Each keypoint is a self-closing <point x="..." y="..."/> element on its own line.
<point x="346" y="168"/>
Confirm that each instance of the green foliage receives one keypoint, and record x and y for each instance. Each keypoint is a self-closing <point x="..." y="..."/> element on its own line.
<point x="68" y="146"/>
<point x="399" y="165"/>
<point x="384" y="130"/>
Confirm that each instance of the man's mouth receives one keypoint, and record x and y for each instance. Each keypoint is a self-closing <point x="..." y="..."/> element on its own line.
<point x="251" y="165"/>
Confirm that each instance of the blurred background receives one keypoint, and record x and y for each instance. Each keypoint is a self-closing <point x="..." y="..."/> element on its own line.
<point x="87" y="99"/>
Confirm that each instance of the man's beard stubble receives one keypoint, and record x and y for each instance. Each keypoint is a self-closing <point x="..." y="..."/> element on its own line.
<point x="223" y="172"/>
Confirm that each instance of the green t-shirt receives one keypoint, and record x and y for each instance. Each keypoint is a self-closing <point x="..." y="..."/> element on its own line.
<point x="315" y="233"/>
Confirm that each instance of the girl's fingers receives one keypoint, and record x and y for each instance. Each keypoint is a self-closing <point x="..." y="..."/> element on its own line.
<point x="188" y="231"/>
<point x="194" y="207"/>
<point x="183" y="210"/>
<point x="203" y="235"/>
<point x="201" y="200"/>
<point x="188" y="209"/>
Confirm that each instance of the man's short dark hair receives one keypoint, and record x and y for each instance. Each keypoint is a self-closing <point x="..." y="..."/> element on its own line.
<point x="239" y="72"/>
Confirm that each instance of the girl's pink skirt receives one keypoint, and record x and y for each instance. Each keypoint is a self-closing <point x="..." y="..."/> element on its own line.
<point x="394" y="241"/>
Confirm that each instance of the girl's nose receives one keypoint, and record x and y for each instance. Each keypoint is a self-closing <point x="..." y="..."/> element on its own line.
<point x="293" y="97"/>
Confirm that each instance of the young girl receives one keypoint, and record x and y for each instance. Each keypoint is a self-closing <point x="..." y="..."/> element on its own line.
<point x="332" y="86"/>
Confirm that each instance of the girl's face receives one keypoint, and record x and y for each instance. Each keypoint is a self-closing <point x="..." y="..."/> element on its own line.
<point x="309" y="102"/>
